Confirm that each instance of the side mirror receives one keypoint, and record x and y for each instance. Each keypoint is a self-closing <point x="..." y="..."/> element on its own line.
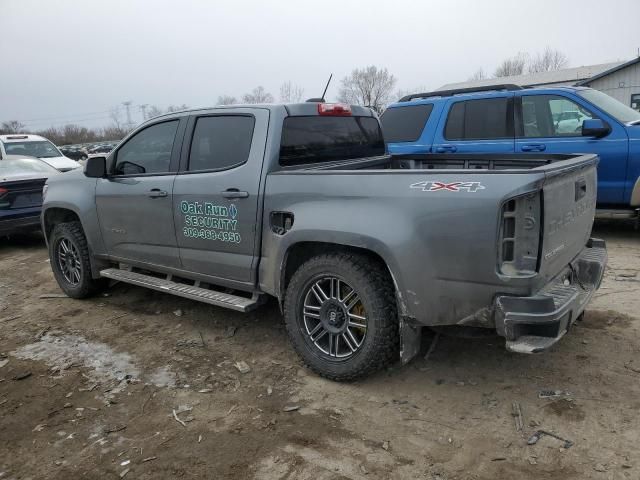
<point x="594" y="127"/>
<point x="96" y="167"/>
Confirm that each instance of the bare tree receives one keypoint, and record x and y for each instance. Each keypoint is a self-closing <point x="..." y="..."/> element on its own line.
<point x="227" y="100"/>
<point x="550" y="59"/>
<point x="152" y="111"/>
<point x="511" y="66"/>
<point x="403" y="92"/>
<point x="71" y="134"/>
<point x="115" y="116"/>
<point x="290" y="93"/>
<point x="77" y="134"/>
<point x="257" y="95"/>
<point x="12" y="126"/>
<point x="370" y="86"/>
<point x="177" y="108"/>
<point x="478" y="75"/>
<point x="114" y="133"/>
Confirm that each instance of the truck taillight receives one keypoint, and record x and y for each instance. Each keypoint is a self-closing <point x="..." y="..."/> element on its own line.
<point x="334" y="109"/>
<point x="519" y="239"/>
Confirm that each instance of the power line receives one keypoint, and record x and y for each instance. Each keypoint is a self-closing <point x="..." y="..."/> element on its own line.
<point x="63" y="116"/>
<point x="127" y="105"/>
<point x="64" y="122"/>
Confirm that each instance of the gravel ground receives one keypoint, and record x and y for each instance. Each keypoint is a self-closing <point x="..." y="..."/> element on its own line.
<point x="137" y="384"/>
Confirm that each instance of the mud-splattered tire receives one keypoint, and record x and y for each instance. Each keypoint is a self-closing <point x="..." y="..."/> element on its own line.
<point x="351" y="299"/>
<point x="69" y="257"/>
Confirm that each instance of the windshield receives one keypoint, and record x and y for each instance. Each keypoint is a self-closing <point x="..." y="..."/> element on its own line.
<point x="613" y="107"/>
<point x="24" y="166"/>
<point x="40" y="149"/>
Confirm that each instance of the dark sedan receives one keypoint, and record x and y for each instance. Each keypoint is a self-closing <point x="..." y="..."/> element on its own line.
<point x="21" y="182"/>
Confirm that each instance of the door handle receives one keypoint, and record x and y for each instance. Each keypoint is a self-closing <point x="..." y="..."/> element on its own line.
<point x="534" y="147"/>
<point x="157" y="193"/>
<point x="446" y="149"/>
<point x="234" y="193"/>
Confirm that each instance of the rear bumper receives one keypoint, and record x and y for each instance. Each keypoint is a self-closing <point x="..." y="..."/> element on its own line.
<point x="21" y="224"/>
<point x="533" y="324"/>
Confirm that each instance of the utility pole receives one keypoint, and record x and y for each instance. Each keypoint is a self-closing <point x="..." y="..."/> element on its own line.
<point x="127" y="105"/>
<point x="143" y="109"/>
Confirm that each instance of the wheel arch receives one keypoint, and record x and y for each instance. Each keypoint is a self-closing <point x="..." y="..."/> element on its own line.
<point x="298" y="253"/>
<point x="54" y="215"/>
<point x="61" y="214"/>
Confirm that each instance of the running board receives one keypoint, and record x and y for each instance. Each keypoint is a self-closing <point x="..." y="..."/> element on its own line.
<point x="233" y="302"/>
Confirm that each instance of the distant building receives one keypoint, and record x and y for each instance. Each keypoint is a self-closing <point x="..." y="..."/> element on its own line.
<point x="621" y="80"/>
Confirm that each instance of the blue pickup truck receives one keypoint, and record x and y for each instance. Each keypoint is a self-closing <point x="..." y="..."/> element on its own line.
<point x="513" y="119"/>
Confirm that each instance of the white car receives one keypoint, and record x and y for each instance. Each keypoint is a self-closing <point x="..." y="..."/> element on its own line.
<point x="570" y="121"/>
<point x="35" y="146"/>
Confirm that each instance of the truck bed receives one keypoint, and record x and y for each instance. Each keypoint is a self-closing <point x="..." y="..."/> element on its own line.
<point x="506" y="161"/>
<point x="458" y="228"/>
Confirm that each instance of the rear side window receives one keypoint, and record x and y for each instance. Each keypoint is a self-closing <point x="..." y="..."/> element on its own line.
<point x="405" y="124"/>
<point x="483" y="119"/>
<point x="221" y="142"/>
<point x="320" y="139"/>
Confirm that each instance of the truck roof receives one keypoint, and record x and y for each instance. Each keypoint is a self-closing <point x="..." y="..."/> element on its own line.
<point x="288" y="109"/>
<point x="429" y="97"/>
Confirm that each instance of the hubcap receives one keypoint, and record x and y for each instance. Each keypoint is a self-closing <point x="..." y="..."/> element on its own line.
<point x="334" y="319"/>
<point x="69" y="261"/>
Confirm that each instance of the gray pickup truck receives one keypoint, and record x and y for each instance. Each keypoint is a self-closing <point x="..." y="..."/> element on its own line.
<point x="362" y="250"/>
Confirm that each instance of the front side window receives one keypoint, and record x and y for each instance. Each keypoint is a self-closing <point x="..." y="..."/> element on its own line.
<point x="482" y="119"/>
<point x="552" y="116"/>
<point x="221" y="142"/>
<point x="148" y="151"/>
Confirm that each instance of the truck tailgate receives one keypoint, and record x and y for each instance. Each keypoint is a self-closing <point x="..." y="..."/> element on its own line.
<point x="569" y="203"/>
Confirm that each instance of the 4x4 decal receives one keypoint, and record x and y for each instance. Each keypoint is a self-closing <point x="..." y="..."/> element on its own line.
<point x="428" y="186"/>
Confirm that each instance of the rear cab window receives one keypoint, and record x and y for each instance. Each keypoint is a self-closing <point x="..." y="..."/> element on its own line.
<point x="405" y="124"/>
<point x="321" y="139"/>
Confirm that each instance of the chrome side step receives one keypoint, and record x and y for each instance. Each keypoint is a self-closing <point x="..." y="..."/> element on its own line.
<point x="233" y="302"/>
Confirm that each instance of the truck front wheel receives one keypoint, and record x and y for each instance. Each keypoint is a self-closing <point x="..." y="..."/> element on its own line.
<point x="340" y="313"/>
<point x="69" y="257"/>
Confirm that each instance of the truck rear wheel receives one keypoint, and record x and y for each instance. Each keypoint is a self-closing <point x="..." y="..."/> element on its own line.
<point x="340" y="313"/>
<point x="69" y="256"/>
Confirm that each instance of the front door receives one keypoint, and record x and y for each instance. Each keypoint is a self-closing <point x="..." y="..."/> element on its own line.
<point x="552" y="123"/>
<point x="134" y="203"/>
<point x="216" y="194"/>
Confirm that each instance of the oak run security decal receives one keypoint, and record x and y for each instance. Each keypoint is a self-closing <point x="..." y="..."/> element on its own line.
<point x="427" y="186"/>
<point x="207" y="221"/>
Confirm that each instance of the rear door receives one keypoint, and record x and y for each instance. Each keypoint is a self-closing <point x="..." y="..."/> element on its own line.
<point x="216" y="193"/>
<point x="552" y="123"/>
<point x="134" y="202"/>
<point x="476" y="125"/>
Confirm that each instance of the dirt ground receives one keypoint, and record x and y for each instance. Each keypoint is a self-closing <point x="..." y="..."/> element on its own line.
<point x="88" y="389"/>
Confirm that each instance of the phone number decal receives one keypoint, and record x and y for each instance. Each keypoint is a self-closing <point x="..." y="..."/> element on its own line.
<point x="205" y="234"/>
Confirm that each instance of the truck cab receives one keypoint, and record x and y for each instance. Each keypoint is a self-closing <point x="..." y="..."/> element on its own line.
<point x="512" y="119"/>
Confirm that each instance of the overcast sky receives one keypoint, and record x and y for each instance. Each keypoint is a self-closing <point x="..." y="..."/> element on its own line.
<point x="72" y="61"/>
